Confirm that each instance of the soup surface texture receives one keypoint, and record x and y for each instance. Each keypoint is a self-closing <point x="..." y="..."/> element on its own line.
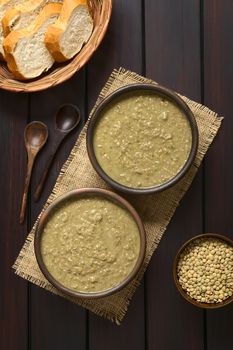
<point x="90" y="244"/>
<point x="142" y="140"/>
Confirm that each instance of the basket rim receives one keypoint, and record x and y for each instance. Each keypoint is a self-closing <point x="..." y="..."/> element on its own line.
<point x="71" y="67"/>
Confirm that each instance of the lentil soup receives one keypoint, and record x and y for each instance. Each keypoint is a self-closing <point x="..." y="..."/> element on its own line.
<point x="142" y="140"/>
<point x="90" y="244"/>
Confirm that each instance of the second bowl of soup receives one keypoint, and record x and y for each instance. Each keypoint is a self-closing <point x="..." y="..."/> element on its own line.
<point x="90" y="243"/>
<point x="142" y="138"/>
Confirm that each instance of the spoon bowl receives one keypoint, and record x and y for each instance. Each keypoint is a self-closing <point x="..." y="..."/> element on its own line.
<point x="67" y="117"/>
<point x="35" y="135"/>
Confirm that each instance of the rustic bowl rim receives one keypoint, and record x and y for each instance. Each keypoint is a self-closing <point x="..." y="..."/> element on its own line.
<point x="176" y="280"/>
<point x="76" y="194"/>
<point x="160" y="90"/>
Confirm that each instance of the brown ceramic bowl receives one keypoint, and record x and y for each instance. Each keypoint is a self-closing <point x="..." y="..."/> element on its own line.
<point x="177" y="283"/>
<point x="160" y="91"/>
<point x="72" y="196"/>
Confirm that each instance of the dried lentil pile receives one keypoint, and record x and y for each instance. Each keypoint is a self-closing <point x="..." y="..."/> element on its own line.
<point x="205" y="270"/>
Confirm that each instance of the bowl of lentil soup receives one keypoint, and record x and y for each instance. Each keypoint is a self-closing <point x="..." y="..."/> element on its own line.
<point x="90" y="243"/>
<point x="203" y="271"/>
<point x="142" y="138"/>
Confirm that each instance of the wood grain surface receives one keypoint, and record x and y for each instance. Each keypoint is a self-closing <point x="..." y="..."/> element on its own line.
<point x="218" y="94"/>
<point x="13" y="290"/>
<point x="185" y="45"/>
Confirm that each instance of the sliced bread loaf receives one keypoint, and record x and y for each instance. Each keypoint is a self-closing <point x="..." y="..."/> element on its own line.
<point x="23" y="14"/>
<point x="4" y="6"/>
<point x="71" y="31"/>
<point x="26" y="54"/>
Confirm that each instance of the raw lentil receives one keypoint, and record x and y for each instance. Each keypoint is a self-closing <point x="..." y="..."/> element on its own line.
<point x="212" y="282"/>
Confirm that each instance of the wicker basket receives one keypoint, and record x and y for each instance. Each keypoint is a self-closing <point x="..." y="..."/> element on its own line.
<point x="101" y="11"/>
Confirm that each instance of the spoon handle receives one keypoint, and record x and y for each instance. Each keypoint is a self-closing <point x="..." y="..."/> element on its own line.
<point x="25" y="191"/>
<point x="58" y="138"/>
<point x="43" y="178"/>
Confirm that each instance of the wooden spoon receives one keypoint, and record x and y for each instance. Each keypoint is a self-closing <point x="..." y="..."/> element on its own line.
<point x="35" y="136"/>
<point x="67" y="118"/>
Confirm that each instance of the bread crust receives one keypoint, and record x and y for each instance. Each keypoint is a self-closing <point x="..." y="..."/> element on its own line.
<point x="11" y="15"/>
<point x="12" y="39"/>
<point x="3" y="3"/>
<point x="15" y="13"/>
<point x="52" y="42"/>
<point x="55" y="31"/>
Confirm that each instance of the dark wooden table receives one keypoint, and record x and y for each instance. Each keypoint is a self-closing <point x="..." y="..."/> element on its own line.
<point x="186" y="45"/>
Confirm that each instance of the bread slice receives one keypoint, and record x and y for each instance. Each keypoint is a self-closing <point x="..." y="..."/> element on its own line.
<point x="4" y="6"/>
<point x="71" y="31"/>
<point x="23" y="14"/>
<point x="26" y="54"/>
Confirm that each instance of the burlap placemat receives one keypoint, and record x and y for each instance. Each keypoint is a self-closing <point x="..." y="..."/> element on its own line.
<point x="155" y="210"/>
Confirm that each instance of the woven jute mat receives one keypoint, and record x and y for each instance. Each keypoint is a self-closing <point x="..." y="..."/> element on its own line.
<point x="155" y="210"/>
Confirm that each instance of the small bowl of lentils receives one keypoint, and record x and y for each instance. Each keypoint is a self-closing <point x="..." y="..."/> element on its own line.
<point x="203" y="271"/>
